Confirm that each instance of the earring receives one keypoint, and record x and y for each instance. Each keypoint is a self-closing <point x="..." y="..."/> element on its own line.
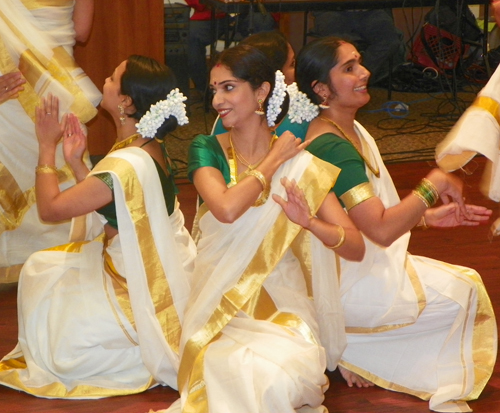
<point x="260" y="111"/>
<point x="324" y="104"/>
<point x="122" y="114"/>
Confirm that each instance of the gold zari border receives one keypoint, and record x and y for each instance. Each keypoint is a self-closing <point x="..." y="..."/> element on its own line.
<point x="357" y="194"/>
<point x="161" y="295"/>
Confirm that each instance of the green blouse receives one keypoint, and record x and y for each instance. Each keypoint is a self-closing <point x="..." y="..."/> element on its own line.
<point x="298" y="129"/>
<point x="337" y="151"/>
<point x="205" y="150"/>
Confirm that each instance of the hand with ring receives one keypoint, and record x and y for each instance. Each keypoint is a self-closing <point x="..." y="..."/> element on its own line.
<point x="10" y="86"/>
<point x="74" y="146"/>
<point x="48" y="129"/>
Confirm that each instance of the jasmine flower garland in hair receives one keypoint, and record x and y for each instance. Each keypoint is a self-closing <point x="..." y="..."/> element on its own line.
<point x="276" y="99"/>
<point x="173" y="105"/>
<point x="301" y="108"/>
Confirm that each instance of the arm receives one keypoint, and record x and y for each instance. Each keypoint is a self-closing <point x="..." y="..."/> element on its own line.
<point x="331" y="226"/>
<point x="384" y="226"/>
<point x="54" y="205"/>
<point x="228" y="204"/>
<point x="83" y="16"/>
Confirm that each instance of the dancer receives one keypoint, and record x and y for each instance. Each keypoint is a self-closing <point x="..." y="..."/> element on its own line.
<point x="102" y="316"/>
<point x="412" y="323"/>
<point x="251" y="338"/>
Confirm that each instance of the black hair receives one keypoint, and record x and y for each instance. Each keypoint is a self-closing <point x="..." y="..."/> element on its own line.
<point x="273" y="44"/>
<point x="314" y="62"/>
<point x="147" y="82"/>
<point x="252" y="65"/>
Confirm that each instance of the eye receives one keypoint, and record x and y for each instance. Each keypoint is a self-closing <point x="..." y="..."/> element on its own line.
<point x="229" y="87"/>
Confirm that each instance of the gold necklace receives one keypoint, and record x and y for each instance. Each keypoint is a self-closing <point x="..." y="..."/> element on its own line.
<point x="125" y="142"/>
<point x="240" y="156"/>
<point x="375" y="169"/>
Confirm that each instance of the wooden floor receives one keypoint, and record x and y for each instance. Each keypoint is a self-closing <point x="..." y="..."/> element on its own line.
<point x="465" y="246"/>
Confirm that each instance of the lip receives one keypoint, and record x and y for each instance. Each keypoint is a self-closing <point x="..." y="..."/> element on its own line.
<point x="223" y="112"/>
<point x="360" y="88"/>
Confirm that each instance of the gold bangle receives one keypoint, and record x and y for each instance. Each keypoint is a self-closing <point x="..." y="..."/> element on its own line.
<point x="45" y="169"/>
<point x="257" y="174"/>
<point x="341" y="241"/>
<point x="422" y="198"/>
<point x="431" y="187"/>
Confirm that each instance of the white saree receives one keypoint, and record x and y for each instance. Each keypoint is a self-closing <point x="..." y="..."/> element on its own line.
<point x="414" y="324"/>
<point x="103" y="318"/>
<point x="264" y="319"/>
<point x="36" y="38"/>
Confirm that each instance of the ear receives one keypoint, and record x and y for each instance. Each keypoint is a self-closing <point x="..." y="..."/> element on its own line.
<point x="128" y="105"/>
<point x="263" y="90"/>
<point x="319" y="88"/>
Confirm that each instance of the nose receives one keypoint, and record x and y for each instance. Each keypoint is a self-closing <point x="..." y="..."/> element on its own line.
<point x="216" y="98"/>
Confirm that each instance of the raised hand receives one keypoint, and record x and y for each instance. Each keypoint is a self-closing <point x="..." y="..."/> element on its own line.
<point x="47" y="127"/>
<point x="287" y="146"/>
<point x="445" y="216"/>
<point x="74" y="146"/>
<point x="295" y="207"/>
<point x="10" y="86"/>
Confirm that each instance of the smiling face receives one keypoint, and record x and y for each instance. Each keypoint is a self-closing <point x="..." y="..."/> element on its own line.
<point x="111" y="92"/>
<point x="348" y="79"/>
<point x="233" y="98"/>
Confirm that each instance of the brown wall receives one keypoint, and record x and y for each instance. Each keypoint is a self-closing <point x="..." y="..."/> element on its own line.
<point x="121" y="28"/>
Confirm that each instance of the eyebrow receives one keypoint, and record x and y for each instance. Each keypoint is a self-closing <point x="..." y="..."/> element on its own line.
<point x="349" y="62"/>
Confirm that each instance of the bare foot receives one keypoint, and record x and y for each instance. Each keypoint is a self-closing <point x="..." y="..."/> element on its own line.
<point x="354" y="379"/>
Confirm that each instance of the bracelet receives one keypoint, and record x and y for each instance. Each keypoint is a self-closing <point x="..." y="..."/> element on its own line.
<point x="266" y="189"/>
<point x="45" y="169"/>
<point x="257" y="174"/>
<point x="341" y="231"/>
<point x="426" y="192"/>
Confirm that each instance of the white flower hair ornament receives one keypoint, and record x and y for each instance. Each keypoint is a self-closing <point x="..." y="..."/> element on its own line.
<point x="276" y="99"/>
<point x="301" y="108"/>
<point x="173" y="105"/>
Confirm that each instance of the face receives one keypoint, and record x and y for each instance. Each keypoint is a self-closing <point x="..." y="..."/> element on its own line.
<point x="349" y="79"/>
<point x="289" y="67"/>
<point x="233" y="98"/>
<point x="111" y="92"/>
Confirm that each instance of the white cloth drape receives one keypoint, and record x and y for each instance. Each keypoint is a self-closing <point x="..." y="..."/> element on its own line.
<point x="415" y="324"/>
<point x="81" y="334"/>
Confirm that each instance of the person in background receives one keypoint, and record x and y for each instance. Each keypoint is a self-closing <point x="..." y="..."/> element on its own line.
<point x="413" y="324"/>
<point x="251" y="339"/>
<point x="102" y="316"/>
<point x="372" y="31"/>
<point x="200" y="36"/>
<point x="36" y="42"/>
<point x="281" y="55"/>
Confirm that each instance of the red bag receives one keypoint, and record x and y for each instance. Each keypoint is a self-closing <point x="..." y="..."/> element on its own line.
<point x="437" y="48"/>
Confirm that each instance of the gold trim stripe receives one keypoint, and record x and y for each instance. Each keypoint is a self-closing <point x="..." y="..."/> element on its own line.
<point x="40" y="4"/>
<point x="357" y="194"/>
<point x="161" y="295"/>
<point x="57" y="389"/>
<point x="489" y="105"/>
